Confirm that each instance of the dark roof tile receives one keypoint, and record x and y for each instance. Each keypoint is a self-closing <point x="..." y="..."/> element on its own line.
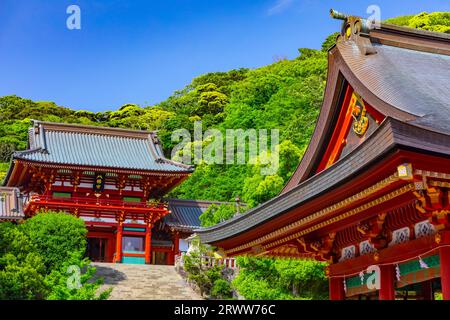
<point x="97" y="146"/>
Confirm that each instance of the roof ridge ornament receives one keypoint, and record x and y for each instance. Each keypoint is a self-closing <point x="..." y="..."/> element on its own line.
<point x="338" y="15"/>
<point x="355" y="29"/>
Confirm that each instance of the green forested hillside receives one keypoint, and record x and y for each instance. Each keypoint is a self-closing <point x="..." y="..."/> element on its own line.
<point x="436" y="21"/>
<point x="285" y="95"/>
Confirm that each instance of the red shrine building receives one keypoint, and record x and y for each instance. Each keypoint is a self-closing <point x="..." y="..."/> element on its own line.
<point x="113" y="179"/>
<point x="371" y="195"/>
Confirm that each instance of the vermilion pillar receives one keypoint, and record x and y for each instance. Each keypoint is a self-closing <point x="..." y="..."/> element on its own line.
<point x="387" y="283"/>
<point x="444" y="256"/>
<point x="148" y="244"/>
<point x="336" y="289"/>
<point x="119" y="242"/>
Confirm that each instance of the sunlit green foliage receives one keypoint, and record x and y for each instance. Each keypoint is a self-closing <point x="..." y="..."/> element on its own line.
<point x="435" y="21"/>
<point x="269" y="278"/>
<point x="35" y="256"/>
<point x="217" y="213"/>
<point x="3" y="169"/>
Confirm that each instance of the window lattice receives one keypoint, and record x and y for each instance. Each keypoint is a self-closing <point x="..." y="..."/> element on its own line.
<point x="400" y="236"/>
<point x="423" y="229"/>
<point x="348" y="253"/>
<point x="366" y="247"/>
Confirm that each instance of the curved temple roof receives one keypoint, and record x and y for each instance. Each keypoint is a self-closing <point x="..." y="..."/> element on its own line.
<point x="404" y="74"/>
<point x="412" y="81"/>
<point x="97" y="147"/>
<point x="185" y="214"/>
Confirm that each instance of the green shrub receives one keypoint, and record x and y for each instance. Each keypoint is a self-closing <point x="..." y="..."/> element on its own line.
<point x="35" y="258"/>
<point x="217" y="213"/>
<point x="270" y="278"/>
<point x="60" y="279"/>
<point x="21" y="270"/>
<point x="56" y="237"/>
<point x="221" y="289"/>
<point x="209" y="280"/>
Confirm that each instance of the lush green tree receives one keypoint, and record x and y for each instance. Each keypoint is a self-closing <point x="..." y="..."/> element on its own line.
<point x="270" y="278"/>
<point x="56" y="237"/>
<point x="221" y="289"/>
<point x="329" y="41"/>
<point x="260" y="188"/>
<point x="211" y="100"/>
<point x="209" y="280"/>
<point x="217" y="213"/>
<point x="435" y="21"/>
<point x="303" y="277"/>
<point x="73" y="281"/>
<point x="22" y="271"/>
<point x="41" y="257"/>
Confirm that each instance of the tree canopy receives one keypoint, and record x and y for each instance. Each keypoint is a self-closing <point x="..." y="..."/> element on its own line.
<point x="40" y="257"/>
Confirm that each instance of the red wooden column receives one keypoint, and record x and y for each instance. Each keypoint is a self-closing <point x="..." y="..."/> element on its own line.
<point x="148" y="243"/>
<point x="444" y="256"/>
<point x="119" y="242"/>
<point x="336" y="287"/>
<point x="387" y="283"/>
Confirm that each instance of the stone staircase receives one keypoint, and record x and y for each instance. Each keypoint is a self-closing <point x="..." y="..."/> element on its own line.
<point x="144" y="282"/>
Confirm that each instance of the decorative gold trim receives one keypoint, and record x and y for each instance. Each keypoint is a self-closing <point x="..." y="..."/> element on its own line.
<point x="432" y="174"/>
<point x="364" y="193"/>
<point x="360" y="120"/>
<point x="361" y="195"/>
<point x="345" y="215"/>
<point x="440" y="184"/>
<point x="405" y="171"/>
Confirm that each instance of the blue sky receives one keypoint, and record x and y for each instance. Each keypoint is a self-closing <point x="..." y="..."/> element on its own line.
<point x="141" y="51"/>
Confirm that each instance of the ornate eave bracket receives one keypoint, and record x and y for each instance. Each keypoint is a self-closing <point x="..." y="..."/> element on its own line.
<point x="373" y="230"/>
<point x="320" y="249"/>
<point x="434" y="203"/>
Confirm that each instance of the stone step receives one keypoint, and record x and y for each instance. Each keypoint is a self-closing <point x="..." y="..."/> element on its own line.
<point x="144" y="282"/>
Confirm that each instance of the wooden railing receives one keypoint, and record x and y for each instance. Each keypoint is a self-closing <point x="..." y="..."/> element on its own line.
<point x="93" y="202"/>
<point x="210" y="262"/>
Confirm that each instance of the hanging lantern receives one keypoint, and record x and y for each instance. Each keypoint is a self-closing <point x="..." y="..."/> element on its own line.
<point x="345" y="286"/>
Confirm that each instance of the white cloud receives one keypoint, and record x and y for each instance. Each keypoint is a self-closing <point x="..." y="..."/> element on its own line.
<point x="279" y="7"/>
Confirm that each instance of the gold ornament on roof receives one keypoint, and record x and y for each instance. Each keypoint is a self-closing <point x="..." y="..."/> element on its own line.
<point x="360" y="120"/>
